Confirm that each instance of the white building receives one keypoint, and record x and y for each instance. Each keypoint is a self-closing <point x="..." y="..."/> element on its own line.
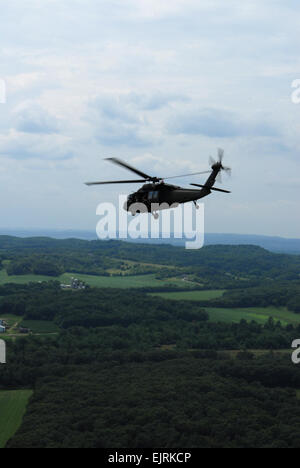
<point x="2" y="329"/>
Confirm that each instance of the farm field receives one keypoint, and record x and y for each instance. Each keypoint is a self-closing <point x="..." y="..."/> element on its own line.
<point x="122" y="282"/>
<point x="40" y="326"/>
<point x="129" y="264"/>
<point x="12" y="409"/>
<point x="191" y="295"/>
<point x="22" y="279"/>
<point x="258" y="314"/>
<point x="235" y="315"/>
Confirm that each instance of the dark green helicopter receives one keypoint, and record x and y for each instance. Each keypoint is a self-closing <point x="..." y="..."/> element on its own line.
<point x="156" y="195"/>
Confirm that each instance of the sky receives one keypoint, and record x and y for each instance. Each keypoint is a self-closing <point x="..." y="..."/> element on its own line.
<point x="161" y="84"/>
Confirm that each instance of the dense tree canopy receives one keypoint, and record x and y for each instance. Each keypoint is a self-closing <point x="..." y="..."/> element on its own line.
<point x="127" y="369"/>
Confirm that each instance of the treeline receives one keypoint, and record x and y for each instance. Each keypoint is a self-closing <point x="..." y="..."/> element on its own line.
<point x="267" y="294"/>
<point x="89" y="399"/>
<point x="53" y="264"/>
<point x="93" y="307"/>
<point x="34" y="265"/>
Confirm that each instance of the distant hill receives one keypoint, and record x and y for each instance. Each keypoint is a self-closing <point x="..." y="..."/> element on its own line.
<point x="82" y="256"/>
<point x="273" y="244"/>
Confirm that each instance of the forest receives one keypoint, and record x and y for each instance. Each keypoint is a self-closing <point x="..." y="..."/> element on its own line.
<point x="124" y="368"/>
<point x="89" y="397"/>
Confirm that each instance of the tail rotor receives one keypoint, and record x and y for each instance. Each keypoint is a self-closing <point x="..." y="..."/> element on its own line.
<point x="219" y="164"/>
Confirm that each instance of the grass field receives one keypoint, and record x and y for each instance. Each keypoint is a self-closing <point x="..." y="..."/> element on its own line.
<point x="40" y="326"/>
<point x="12" y="409"/>
<point x="122" y="282"/>
<point x="22" y="279"/>
<point x="191" y="295"/>
<point x="260" y="315"/>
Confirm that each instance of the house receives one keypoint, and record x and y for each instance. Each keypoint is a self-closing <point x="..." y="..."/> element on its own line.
<point x="75" y="284"/>
<point x="2" y="329"/>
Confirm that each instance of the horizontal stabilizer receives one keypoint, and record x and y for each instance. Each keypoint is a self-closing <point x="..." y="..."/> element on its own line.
<point x="211" y="188"/>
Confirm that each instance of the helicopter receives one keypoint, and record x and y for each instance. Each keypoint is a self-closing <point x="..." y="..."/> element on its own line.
<point x="156" y="195"/>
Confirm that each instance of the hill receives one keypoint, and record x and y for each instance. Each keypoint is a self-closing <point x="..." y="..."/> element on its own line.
<point x="271" y="243"/>
<point x="52" y="257"/>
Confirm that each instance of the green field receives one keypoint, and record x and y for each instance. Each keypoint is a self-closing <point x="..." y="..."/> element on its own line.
<point x="191" y="295"/>
<point x="12" y="409"/>
<point x="40" y="326"/>
<point x="122" y="282"/>
<point x="259" y="314"/>
<point x="22" y="279"/>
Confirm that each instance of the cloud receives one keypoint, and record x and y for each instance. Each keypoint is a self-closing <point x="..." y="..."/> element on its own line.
<point x="22" y="146"/>
<point x="126" y="119"/>
<point x="218" y="123"/>
<point x="112" y="134"/>
<point x="155" y="100"/>
<point x="32" y="118"/>
<point x="177" y="78"/>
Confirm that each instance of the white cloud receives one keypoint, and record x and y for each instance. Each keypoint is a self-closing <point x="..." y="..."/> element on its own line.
<point x="178" y="78"/>
<point x="32" y="118"/>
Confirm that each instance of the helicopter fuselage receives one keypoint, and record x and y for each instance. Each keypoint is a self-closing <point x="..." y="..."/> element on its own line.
<point x="157" y="197"/>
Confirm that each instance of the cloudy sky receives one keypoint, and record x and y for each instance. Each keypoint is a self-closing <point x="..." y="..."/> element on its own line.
<point x="160" y="83"/>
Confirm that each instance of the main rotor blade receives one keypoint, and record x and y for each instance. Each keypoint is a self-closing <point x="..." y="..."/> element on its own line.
<point x="186" y="175"/>
<point x="212" y="161"/>
<point x="221" y="154"/>
<point x="117" y="182"/>
<point x="227" y="170"/>
<point x="121" y="163"/>
<point x="211" y="188"/>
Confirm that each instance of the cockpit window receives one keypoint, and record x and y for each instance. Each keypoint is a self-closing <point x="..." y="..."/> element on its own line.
<point x="153" y="196"/>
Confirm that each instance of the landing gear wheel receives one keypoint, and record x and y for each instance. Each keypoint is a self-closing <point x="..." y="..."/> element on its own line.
<point x="156" y="216"/>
